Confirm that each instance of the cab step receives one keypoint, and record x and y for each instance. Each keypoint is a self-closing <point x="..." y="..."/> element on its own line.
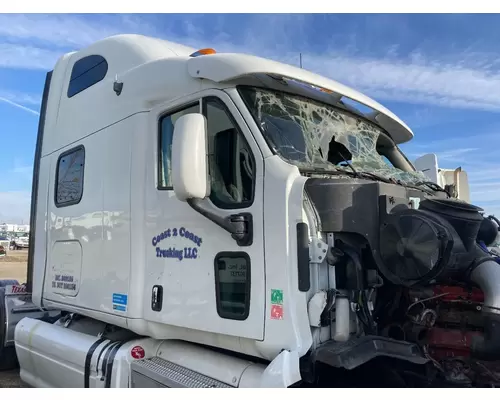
<point x="159" y="373"/>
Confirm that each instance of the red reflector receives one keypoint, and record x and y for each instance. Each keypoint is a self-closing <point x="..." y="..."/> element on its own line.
<point x="137" y="352"/>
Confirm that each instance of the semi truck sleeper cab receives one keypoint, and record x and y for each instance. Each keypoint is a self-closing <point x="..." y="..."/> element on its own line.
<point x="222" y="220"/>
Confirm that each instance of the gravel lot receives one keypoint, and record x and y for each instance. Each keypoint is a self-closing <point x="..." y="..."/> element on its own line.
<point x="13" y="266"/>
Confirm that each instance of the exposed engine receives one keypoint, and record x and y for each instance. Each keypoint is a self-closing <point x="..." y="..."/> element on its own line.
<point x="423" y="286"/>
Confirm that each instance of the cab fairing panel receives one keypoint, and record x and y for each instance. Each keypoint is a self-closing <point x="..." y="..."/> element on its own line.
<point x="42" y="224"/>
<point x="98" y="106"/>
<point x="100" y="222"/>
<point x="123" y="53"/>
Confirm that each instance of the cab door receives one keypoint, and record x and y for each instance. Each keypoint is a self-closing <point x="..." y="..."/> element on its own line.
<point x="197" y="275"/>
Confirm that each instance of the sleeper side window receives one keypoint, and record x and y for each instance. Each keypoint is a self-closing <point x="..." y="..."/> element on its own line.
<point x="87" y="72"/>
<point x="231" y="161"/>
<point x="232" y="285"/>
<point x="69" y="177"/>
<point x="166" y="132"/>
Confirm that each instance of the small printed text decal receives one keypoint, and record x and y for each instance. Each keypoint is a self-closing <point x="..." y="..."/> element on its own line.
<point x="65" y="282"/>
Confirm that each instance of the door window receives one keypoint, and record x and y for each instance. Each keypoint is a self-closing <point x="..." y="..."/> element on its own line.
<point x="231" y="162"/>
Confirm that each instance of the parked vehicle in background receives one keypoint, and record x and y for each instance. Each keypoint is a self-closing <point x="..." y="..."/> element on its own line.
<point x="19" y="241"/>
<point x="4" y="245"/>
<point x="22" y="242"/>
<point x="455" y="181"/>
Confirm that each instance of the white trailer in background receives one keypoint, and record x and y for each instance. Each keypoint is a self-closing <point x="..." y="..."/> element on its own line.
<point x="223" y="220"/>
<point x="455" y="180"/>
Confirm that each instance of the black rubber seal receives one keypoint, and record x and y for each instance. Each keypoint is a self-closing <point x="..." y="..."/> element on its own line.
<point x="88" y="360"/>
<point x="100" y="355"/>
<point x="105" y="360"/>
<point x="109" y="369"/>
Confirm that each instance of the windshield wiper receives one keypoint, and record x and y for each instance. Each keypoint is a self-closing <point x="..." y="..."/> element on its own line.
<point x="365" y="174"/>
<point x="354" y="174"/>
<point x="349" y="165"/>
<point x="380" y="178"/>
<point x="434" y="186"/>
<point x="362" y="174"/>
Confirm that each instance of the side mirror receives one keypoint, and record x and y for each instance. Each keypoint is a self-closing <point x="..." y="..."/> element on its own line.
<point x="189" y="158"/>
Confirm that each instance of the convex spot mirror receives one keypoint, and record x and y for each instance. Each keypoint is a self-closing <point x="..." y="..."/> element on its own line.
<point x="189" y="158"/>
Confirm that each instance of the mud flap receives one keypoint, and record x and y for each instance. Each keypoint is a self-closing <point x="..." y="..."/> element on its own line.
<point x="8" y="359"/>
<point x="283" y="371"/>
<point x="15" y="304"/>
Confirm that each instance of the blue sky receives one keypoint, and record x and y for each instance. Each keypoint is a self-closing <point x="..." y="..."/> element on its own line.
<point x="439" y="73"/>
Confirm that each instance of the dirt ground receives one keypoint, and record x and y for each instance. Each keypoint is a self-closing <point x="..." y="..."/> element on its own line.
<point x="13" y="266"/>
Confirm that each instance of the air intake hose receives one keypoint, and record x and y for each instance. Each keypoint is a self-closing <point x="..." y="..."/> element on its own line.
<point x="486" y="274"/>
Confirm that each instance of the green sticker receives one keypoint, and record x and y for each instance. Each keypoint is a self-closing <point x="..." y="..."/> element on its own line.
<point x="276" y="296"/>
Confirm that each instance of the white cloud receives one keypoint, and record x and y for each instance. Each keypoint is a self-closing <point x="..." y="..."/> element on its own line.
<point x="60" y="30"/>
<point x="27" y="57"/>
<point x="456" y="156"/>
<point x="23" y="101"/>
<point x="22" y="98"/>
<point x="424" y="82"/>
<point x="20" y="106"/>
<point x="466" y="82"/>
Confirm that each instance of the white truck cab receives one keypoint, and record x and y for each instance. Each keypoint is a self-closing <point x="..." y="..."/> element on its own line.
<point x="222" y="220"/>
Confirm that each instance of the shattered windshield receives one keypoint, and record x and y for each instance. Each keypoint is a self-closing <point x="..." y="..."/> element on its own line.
<point x="316" y="136"/>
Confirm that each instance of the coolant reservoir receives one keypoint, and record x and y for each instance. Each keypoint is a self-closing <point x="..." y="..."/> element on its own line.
<point x="342" y="320"/>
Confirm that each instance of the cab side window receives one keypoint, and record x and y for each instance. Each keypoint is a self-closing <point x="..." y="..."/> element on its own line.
<point x="69" y="177"/>
<point x="231" y="163"/>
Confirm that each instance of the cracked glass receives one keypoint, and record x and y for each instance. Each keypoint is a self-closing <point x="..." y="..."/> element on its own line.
<point x="317" y="136"/>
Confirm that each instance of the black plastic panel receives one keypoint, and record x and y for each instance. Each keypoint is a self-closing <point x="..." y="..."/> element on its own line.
<point x="303" y="257"/>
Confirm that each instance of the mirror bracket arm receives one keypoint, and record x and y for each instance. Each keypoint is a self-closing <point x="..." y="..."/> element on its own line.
<point x="240" y="226"/>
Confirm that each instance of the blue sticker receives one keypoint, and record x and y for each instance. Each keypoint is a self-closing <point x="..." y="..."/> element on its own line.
<point x="120" y="302"/>
<point x="172" y="252"/>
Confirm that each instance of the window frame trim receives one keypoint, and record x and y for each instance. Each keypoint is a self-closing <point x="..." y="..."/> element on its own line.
<point x="248" y="285"/>
<point x="161" y="117"/>
<point x="56" y="183"/>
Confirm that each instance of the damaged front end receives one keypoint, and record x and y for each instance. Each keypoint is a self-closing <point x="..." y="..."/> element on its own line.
<point x="403" y="291"/>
